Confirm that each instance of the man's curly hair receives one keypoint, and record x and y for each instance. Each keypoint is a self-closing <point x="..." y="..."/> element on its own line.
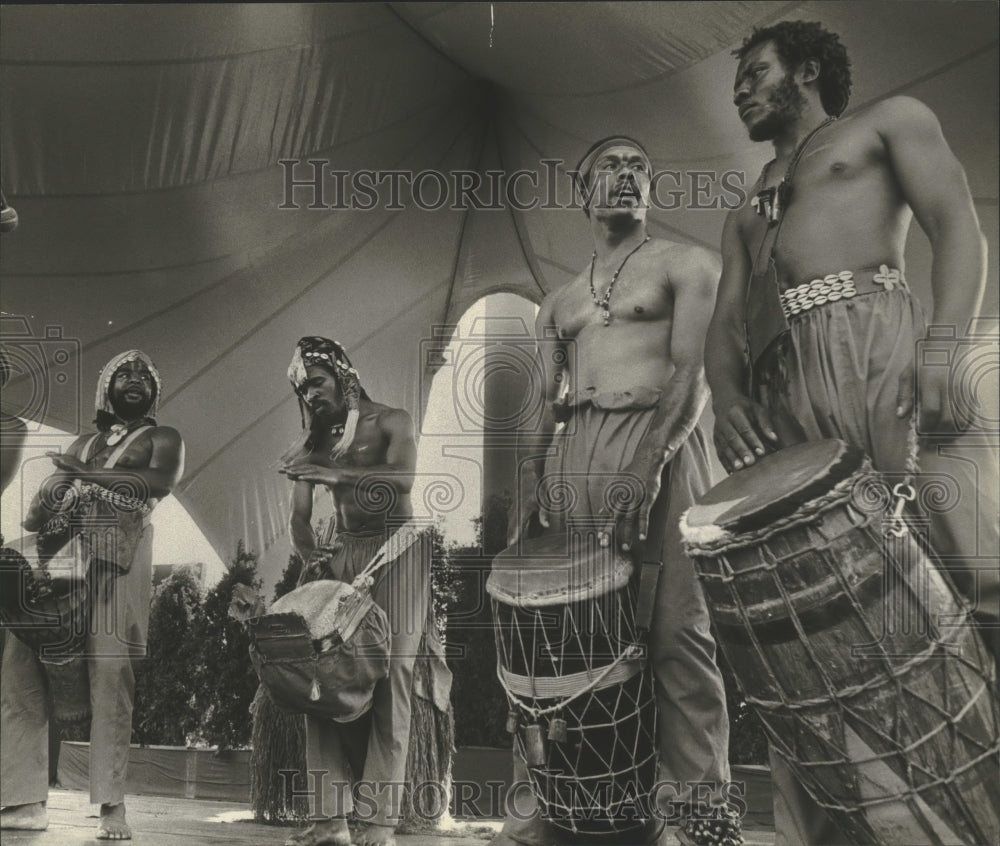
<point x="797" y="41"/>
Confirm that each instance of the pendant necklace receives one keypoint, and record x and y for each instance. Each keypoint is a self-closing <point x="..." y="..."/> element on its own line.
<point x="602" y="302"/>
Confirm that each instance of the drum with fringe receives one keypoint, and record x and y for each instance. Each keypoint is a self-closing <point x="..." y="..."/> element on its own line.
<point x="854" y="650"/>
<point x="573" y="665"/>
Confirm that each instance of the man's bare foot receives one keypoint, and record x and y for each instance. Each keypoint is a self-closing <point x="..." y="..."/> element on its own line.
<point x="32" y="817"/>
<point x="376" y="835"/>
<point x="113" y="825"/>
<point x="323" y="833"/>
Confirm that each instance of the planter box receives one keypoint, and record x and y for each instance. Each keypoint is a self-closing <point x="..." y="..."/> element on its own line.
<point x="480" y="777"/>
<point x="167" y="771"/>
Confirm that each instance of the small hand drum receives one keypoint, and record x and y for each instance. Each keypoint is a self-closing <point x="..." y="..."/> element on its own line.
<point x="321" y="649"/>
<point x="860" y="660"/>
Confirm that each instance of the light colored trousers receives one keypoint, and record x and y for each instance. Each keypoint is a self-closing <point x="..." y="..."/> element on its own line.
<point x="369" y="754"/>
<point x="117" y="638"/>
<point x="840" y="379"/>
<point x="599" y="442"/>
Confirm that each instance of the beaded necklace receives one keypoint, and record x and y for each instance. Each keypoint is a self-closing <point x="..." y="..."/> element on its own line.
<point x="602" y="302"/>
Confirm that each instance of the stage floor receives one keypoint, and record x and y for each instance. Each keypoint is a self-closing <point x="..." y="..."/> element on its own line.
<point x="160" y="821"/>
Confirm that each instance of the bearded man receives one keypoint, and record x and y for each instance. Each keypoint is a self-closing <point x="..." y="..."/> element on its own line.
<point x="364" y="453"/>
<point x="815" y="332"/>
<point x="129" y="465"/>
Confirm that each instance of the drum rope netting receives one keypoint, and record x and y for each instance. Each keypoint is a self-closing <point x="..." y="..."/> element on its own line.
<point x="583" y="661"/>
<point x="900" y="552"/>
<point x="566" y="688"/>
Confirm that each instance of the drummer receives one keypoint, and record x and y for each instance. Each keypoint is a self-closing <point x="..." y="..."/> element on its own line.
<point x="364" y="453"/>
<point x="128" y="391"/>
<point x="845" y="368"/>
<point x="631" y="328"/>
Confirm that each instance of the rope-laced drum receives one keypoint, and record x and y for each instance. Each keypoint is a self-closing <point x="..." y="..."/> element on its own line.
<point x="852" y="647"/>
<point x="573" y="664"/>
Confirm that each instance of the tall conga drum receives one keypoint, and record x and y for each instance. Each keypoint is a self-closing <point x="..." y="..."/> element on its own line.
<point x="573" y="664"/>
<point x="852" y="647"/>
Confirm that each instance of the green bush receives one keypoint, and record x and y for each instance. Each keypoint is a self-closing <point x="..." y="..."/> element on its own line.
<point x="166" y="710"/>
<point x="227" y="681"/>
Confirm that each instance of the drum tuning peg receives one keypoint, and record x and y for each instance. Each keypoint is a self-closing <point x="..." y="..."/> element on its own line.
<point x="512" y="722"/>
<point x="557" y="730"/>
<point x="534" y="746"/>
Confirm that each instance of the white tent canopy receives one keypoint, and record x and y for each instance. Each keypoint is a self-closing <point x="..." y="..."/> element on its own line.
<point x="142" y="148"/>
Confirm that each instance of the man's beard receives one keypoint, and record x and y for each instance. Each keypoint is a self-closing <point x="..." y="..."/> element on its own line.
<point x="786" y="104"/>
<point x="127" y="410"/>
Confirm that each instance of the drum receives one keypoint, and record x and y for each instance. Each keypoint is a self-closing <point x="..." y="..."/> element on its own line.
<point x="573" y="665"/>
<point x="48" y="609"/>
<point x="854" y="650"/>
<point x="321" y="649"/>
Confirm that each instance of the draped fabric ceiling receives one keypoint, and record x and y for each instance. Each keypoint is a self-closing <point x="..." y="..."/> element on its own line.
<point x="142" y="150"/>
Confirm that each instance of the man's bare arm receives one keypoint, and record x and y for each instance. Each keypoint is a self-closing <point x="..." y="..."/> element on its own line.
<point x="397" y="469"/>
<point x="933" y="183"/>
<point x="685" y="393"/>
<point x="44" y="504"/>
<point x="300" y="522"/>
<point x="742" y="427"/>
<point x="155" y="481"/>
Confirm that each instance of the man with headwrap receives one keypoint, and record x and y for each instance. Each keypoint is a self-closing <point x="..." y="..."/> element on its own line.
<point x="631" y="329"/>
<point x="127" y="466"/>
<point x="364" y="453"/>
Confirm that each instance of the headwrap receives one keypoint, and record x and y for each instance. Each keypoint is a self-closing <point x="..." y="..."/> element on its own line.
<point x="102" y="402"/>
<point x="586" y="164"/>
<point x="314" y="350"/>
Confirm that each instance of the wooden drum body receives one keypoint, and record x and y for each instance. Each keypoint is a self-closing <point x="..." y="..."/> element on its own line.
<point x="854" y="649"/>
<point x="580" y="691"/>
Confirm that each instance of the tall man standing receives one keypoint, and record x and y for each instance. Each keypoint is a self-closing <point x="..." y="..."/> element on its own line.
<point x="630" y="329"/>
<point x="364" y="453"/>
<point x="129" y="452"/>
<point x="813" y="286"/>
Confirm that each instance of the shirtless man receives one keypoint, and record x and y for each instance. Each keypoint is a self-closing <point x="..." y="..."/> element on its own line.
<point x="843" y="367"/>
<point x="365" y="454"/>
<point x="132" y="451"/>
<point x="631" y="330"/>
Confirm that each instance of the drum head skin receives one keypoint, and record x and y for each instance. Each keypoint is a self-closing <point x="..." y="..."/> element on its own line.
<point x="557" y="569"/>
<point x="775" y="486"/>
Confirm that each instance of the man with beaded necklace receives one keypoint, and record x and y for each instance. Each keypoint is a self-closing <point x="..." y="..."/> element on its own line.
<point x="622" y="367"/>
<point x="130" y="465"/>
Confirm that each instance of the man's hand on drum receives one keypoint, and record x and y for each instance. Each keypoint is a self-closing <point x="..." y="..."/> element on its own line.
<point x="743" y="432"/>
